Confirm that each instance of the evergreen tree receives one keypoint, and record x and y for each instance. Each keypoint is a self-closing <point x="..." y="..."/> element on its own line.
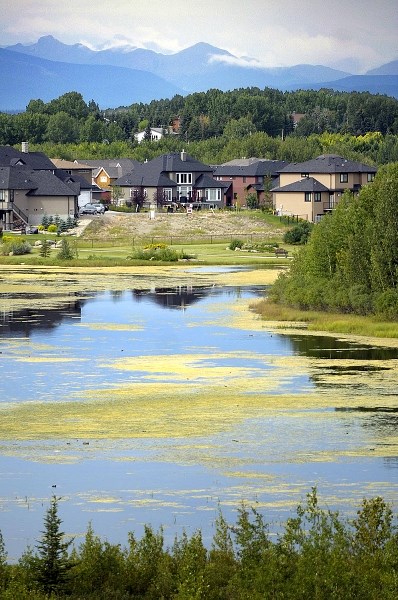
<point x="65" y="251"/>
<point x="53" y="562"/>
<point x="45" y="249"/>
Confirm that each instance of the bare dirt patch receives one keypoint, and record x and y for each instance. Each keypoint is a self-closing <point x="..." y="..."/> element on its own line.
<point x="196" y="224"/>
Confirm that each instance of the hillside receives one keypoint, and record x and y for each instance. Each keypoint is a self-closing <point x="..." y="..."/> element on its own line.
<point x="178" y="224"/>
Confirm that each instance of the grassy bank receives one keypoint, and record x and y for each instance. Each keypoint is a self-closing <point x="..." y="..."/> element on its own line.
<point x="337" y="323"/>
<point x="106" y="252"/>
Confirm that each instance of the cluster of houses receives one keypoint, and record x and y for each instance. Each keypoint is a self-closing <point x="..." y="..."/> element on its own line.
<point x="32" y="185"/>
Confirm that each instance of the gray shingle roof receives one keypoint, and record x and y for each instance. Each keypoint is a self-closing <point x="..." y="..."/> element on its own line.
<point x="329" y="163"/>
<point x="37" y="183"/>
<point x="308" y="184"/>
<point x="257" y="168"/>
<point x="15" y="178"/>
<point x="206" y="182"/>
<point x="172" y="163"/>
<point x="48" y="184"/>
<point x="9" y="156"/>
<point x="145" y="175"/>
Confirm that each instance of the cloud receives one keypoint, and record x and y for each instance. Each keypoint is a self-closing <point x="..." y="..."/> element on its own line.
<point x="272" y="32"/>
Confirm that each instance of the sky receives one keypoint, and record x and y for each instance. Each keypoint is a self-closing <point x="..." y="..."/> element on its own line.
<point x="351" y="35"/>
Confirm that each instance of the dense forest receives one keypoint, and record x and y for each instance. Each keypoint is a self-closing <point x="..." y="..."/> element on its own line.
<point x="317" y="554"/>
<point x="350" y="263"/>
<point x="217" y="126"/>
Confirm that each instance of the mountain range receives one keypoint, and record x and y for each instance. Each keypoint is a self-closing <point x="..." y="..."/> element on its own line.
<point x="120" y="77"/>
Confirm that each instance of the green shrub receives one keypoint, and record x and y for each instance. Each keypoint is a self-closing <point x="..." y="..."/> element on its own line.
<point x="52" y="228"/>
<point x="163" y="254"/>
<point x="15" y="247"/>
<point x="235" y="244"/>
<point x="386" y="304"/>
<point x="298" y="234"/>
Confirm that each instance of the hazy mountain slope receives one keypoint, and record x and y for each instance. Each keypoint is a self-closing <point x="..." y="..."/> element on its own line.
<point x="197" y="68"/>
<point x="26" y="77"/>
<point x="390" y="68"/>
<point x="374" y="84"/>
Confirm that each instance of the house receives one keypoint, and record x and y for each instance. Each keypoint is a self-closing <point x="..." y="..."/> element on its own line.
<point x="86" y="191"/>
<point x="155" y="134"/>
<point x="105" y="171"/>
<point x="30" y="188"/>
<point x="74" y="168"/>
<point x="313" y="188"/>
<point x="27" y="195"/>
<point x="247" y="176"/>
<point x="175" y="178"/>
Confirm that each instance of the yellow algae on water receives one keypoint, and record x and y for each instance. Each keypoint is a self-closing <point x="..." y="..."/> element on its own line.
<point x="112" y="326"/>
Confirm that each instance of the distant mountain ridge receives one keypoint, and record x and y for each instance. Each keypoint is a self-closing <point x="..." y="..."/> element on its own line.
<point x="133" y="74"/>
<point x="27" y="77"/>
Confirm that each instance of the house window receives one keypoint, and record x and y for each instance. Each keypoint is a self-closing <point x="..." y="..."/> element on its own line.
<point x="167" y="194"/>
<point x="213" y="195"/>
<point x="317" y="196"/>
<point x="2" y="194"/>
<point x="184" y="178"/>
<point x="184" y="191"/>
<point x="307" y="197"/>
<point x="371" y="177"/>
<point x="244" y="179"/>
<point x="343" y="177"/>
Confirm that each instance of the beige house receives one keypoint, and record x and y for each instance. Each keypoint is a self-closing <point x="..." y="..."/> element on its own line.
<point x="313" y="188"/>
<point x="29" y="188"/>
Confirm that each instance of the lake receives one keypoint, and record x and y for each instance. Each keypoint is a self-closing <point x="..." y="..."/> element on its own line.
<point x="158" y="397"/>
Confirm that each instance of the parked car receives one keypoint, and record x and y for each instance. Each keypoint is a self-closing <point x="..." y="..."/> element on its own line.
<point x="88" y="209"/>
<point x="31" y="229"/>
<point x="100" y="207"/>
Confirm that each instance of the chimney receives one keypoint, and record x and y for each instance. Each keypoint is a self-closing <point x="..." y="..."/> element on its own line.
<point x="183" y="156"/>
<point x="25" y="146"/>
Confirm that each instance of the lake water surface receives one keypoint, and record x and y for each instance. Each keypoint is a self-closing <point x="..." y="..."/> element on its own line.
<point x="160" y="405"/>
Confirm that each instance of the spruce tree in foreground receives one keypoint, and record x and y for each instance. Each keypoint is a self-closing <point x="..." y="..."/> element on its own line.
<point x="53" y="561"/>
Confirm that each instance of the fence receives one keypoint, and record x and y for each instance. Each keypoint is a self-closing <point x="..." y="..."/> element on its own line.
<point x="173" y="240"/>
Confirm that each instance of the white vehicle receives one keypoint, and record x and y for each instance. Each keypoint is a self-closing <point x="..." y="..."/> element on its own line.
<point x="100" y="207"/>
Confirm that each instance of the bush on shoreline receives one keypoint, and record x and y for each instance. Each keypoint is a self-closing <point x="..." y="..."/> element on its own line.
<point x="317" y="554"/>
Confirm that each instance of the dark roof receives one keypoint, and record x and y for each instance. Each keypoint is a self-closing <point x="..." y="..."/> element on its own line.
<point x="115" y="168"/>
<point x="9" y="156"/>
<point x="172" y="163"/>
<point x="16" y="178"/>
<point x="329" y="163"/>
<point x="257" y="168"/>
<point x="145" y="175"/>
<point x="308" y="184"/>
<point x="48" y="184"/>
<point x="74" y="178"/>
<point x="205" y="181"/>
<point x="37" y="183"/>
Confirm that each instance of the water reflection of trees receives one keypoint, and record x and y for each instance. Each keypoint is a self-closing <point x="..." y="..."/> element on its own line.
<point x="326" y="347"/>
<point x="178" y="297"/>
<point x="23" y="322"/>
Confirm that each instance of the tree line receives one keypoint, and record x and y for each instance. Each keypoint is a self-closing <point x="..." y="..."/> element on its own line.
<point x="316" y="554"/>
<point x="350" y="263"/>
<point x="218" y="126"/>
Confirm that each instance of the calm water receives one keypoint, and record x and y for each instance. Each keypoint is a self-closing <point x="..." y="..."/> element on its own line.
<point x="119" y="485"/>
